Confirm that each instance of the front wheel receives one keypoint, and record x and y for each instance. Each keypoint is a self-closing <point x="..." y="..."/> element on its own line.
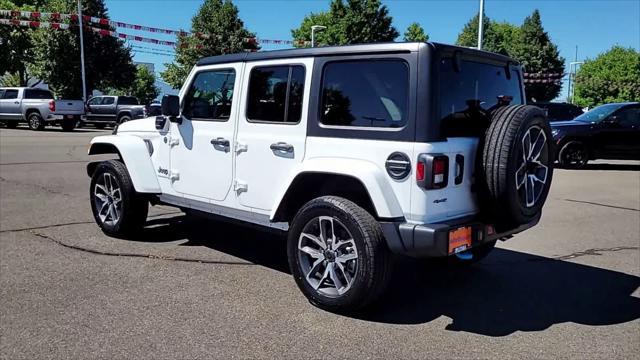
<point x="117" y="208"/>
<point x="338" y="255"/>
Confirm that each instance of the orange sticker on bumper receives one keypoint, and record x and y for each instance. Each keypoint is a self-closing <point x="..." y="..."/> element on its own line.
<point x="459" y="239"/>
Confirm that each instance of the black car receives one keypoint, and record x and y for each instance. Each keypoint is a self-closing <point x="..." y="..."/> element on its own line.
<point x="559" y="111"/>
<point x="610" y="131"/>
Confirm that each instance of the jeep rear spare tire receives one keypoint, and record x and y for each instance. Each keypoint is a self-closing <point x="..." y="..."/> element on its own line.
<point x="517" y="161"/>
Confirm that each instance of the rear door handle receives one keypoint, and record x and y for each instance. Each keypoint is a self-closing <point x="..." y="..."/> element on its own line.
<point x="220" y="142"/>
<point x="282" y="146"/>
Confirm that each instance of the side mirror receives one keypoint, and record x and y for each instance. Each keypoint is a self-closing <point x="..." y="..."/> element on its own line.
<point x="171" y="108"/>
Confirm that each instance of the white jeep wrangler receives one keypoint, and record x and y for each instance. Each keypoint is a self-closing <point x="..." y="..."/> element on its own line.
<point x="359" y="152"/>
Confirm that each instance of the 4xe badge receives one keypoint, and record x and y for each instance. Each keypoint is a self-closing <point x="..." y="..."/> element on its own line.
<point x="162" y="171"/>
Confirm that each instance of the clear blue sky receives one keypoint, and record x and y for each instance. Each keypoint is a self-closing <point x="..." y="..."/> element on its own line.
<point x="593" y="25"/>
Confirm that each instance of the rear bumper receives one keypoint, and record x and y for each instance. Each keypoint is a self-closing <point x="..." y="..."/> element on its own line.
<point x="432" y="240"/>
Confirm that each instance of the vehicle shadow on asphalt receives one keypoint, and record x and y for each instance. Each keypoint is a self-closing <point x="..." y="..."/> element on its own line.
<point x="613" y="167"/>
<point x="58" y="130"/>
<point x="508" y="291"/>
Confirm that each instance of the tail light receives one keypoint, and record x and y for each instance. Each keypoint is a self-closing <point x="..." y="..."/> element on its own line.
<point x="52" y="105"/>
<point x="432" y="171"/>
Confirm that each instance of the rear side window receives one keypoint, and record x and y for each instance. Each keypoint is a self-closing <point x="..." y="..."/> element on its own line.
<point x="10" y="94"/>
<point x="365" y="93"/>
<point x="210" y="95"/>
<point x="127" y="100"/>
<point x="1" y="93"/>
<point x="629" y="117"/>
<point x="275" y="94"/>
<point x="107" y="100"/>
<point x="37" y="94"/>
<point x="468" y="95"/>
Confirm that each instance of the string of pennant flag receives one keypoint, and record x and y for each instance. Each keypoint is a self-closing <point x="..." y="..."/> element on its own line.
<point x="57" y="17"/>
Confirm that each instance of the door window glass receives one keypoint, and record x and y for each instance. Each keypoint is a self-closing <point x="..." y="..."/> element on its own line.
<point x="365" y="93"/>
<point x="107" y="100"/>
<point x="210" y="96"/>
<point x="95" y="101"/>
<point x="10" y="94"/>
<point x="629" y="117"/>
<point x="276" y="94"/>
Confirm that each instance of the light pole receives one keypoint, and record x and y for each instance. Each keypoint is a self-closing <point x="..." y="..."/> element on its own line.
<point x="84" y="84"/>
<point x="480" y="24"/>
<point x="573" y="65"/>
<point x="313" y="33"/>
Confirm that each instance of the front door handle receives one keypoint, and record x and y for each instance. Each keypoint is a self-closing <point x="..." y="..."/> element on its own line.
<point x="17" y="102"/>
<point x="282" y="146"/>
<point x="220" y="142"/>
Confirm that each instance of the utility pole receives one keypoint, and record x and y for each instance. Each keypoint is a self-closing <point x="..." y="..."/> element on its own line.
<point x="313" y="33"/>
<point x="81" y="28"/>
<point x="480" y="24"/>
<point x="570" y="76"/>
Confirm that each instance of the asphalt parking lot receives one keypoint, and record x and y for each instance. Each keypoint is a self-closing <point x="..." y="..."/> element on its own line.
<point x="192" y="289"/>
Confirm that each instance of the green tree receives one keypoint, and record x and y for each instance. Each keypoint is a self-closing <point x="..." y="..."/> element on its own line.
<point x="349" y="22"/>
<point x="538" y="54"/>
<point x="143" y="86"/>
<point x="225" y="32"/>
<point x="16" y="47"/>
<point x="415" y="32"/>
<point x="613" y="76"/>
<point x="108" y="62"/>
<point x="498" y="37"/>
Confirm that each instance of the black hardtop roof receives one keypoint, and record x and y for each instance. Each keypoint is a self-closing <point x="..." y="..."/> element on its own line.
<point x="378" y="48"/>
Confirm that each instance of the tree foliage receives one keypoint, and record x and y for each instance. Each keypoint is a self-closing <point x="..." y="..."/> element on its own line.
<point x="16" y="47"/>
<point x="498" y="37"/>
<point x="529" y="44"/>
<point x="220" y="21"/>
<point x="143" y="86"/>
<point x="57" y="55"/>
<point x="349" y="22"/>
<point x="613" y="76"/>
<point x="538" y="54"/>
<point x="415" y="32"/>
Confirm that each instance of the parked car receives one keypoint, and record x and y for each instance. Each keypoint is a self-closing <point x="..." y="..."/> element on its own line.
<point x="37" y="108"/>
<point x="610" y="131"/>
<point x="375" y="156"/>
<point x="154" y="109"/>
<point x="559" y="111"/>
<point x="111" y="110"/>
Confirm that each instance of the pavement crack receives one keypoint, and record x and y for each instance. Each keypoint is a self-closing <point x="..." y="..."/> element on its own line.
<point x="42" y="227"/>
<point x="600" y="204"/>
<point x="595" y="252"/>
<point x="138" y="255"/>
<point x="41" y="187"/>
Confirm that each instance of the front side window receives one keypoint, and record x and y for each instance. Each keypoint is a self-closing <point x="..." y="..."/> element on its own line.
<point x="275" y="94"/>
<point x="37" y="94"/>
<point x="95" y="101"/>
<point x="10" y="94"/>
<point x="108" y="100"/>
<point x="365" y="93"/>
<point x="210" y="95"/>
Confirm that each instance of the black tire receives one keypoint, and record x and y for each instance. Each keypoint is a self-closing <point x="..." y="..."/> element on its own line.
<point x="35" y="121"/>
<point x="132" y="213"/>
<point x="100" y="126"/>
<point x="124" y="119"/>
<point x="507" y="165"/>
<point x="573" y="154"/>
<point x="68" y="125"/>
<point x="371" y="269"/>
<point x="11" y="124"/>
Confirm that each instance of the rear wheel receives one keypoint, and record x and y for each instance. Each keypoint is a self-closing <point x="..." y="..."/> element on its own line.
<point x="337" y="254"/>
<point x="68" y="125"/>
<point x="573" y="155"/>
<point x="35" y="121"/>
<point x="124" y="119"/>
<point x="117" y="208"/>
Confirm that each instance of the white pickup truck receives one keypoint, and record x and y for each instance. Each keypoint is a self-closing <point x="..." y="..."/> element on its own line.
<point x="37" y="108"/>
